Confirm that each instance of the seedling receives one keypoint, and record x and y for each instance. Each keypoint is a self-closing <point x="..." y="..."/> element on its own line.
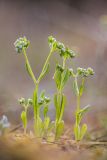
<point x="82" y="73"/>
<point x="25" y="103"/>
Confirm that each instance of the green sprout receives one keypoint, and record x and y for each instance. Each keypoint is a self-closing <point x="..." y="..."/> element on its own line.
<point x="82" y="73"/>
<point x="21" y="46"/>
<point x="46" y="124"/>
<point x="25" y="103"/>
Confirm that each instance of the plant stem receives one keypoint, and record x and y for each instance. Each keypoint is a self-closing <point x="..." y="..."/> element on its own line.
<point x="28" y="64"/>
<point x="36" y="101"/>
<point x="77" y="131"/>
<point x="25" y="128"/>
<point x="64" y="61"/>
<point x="78" y="102"/>
<point x="77" y="94"/>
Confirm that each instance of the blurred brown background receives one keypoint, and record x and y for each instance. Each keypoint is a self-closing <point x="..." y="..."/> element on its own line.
<point x="80" y="24"/>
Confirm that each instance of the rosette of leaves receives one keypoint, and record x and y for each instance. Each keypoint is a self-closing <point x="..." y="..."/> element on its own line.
<point x="82" y="73"/>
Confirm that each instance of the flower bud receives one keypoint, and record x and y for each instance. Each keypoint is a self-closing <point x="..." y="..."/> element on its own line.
<point x="60" y="45"/>
<point x="30" y="101"/>
<point x="71" y="71"/>
<point x="21" y="43"/>
<point x="67" y="53"/>
<point x="59" y="67"/>
<point x="80" y="71"/>
<point x="47" y="99"/>
<point x="85" y="72"/>
<point x="90" y="71"/>
<point x="22" y="101"/>
<point x="51" y="39"/>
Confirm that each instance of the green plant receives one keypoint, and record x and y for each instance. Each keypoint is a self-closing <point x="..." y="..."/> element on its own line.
<point x="25" y="103"/>
<point x="21" y="45"/>
<point x="61" y="76"/>
<point x="43" y="126"/>
<point x="82" y="73"/>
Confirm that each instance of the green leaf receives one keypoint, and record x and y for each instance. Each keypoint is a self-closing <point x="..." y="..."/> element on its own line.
<point x="57" y="107"/>
<point x="64" y="77"/>
<point x="45" y="71"/>
<point x="45" y="111"/>
<point x="24" y="118"/>
<point x="46" y="123"/>
<point x="42" y="95"/>
<point x="57" y="78"/>
<point x="78" y="117"/>
<point x="51" y="126"/>
<point x="75" y="88"/>
<point x="63" y="102"/>
<point x="84" y="110"/>
<point x="28" y="70"/>
<point x="35" y="98"/>
<point x="38" y="126"/>
<point x="83" y="131"/>
<point x="81" y="89"/>
<point x="59" y="129"/>
<point x="77" y="132"/>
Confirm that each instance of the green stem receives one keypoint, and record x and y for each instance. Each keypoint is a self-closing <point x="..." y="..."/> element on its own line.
<point x="77" y="127"/>
<point x="35" y="102"/>
<point x="59" y="104"/>
<point x="25" y="128"/>
<point x="46" y="62"/>
<point x="78" y="102"/>
<point x="77" y="93"/>
<point x="30" y="69"/>
<point x="64" y="61"/>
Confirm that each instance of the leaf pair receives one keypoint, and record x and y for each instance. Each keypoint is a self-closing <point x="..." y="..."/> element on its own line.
<point x="59" y="102"/>
<point x="78" y="90"/>
<point x="59" y="129"/>
<point x="80" y="114"/>
<point x="61" y="77"/>
<point x="80" y="132"/>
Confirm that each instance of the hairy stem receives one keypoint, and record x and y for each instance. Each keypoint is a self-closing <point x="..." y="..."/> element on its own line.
<point x="28" y="64"/>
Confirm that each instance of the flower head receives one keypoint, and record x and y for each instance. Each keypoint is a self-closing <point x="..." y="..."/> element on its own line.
<point x="90" y="71"/>
<point x="67" y="53"/>
<point x="21" y="43"/>
<point x="58" y="46"/>
<point x="22" y="101"/>
<point x="85" y="72"/>
<point x="25" y="102"/>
